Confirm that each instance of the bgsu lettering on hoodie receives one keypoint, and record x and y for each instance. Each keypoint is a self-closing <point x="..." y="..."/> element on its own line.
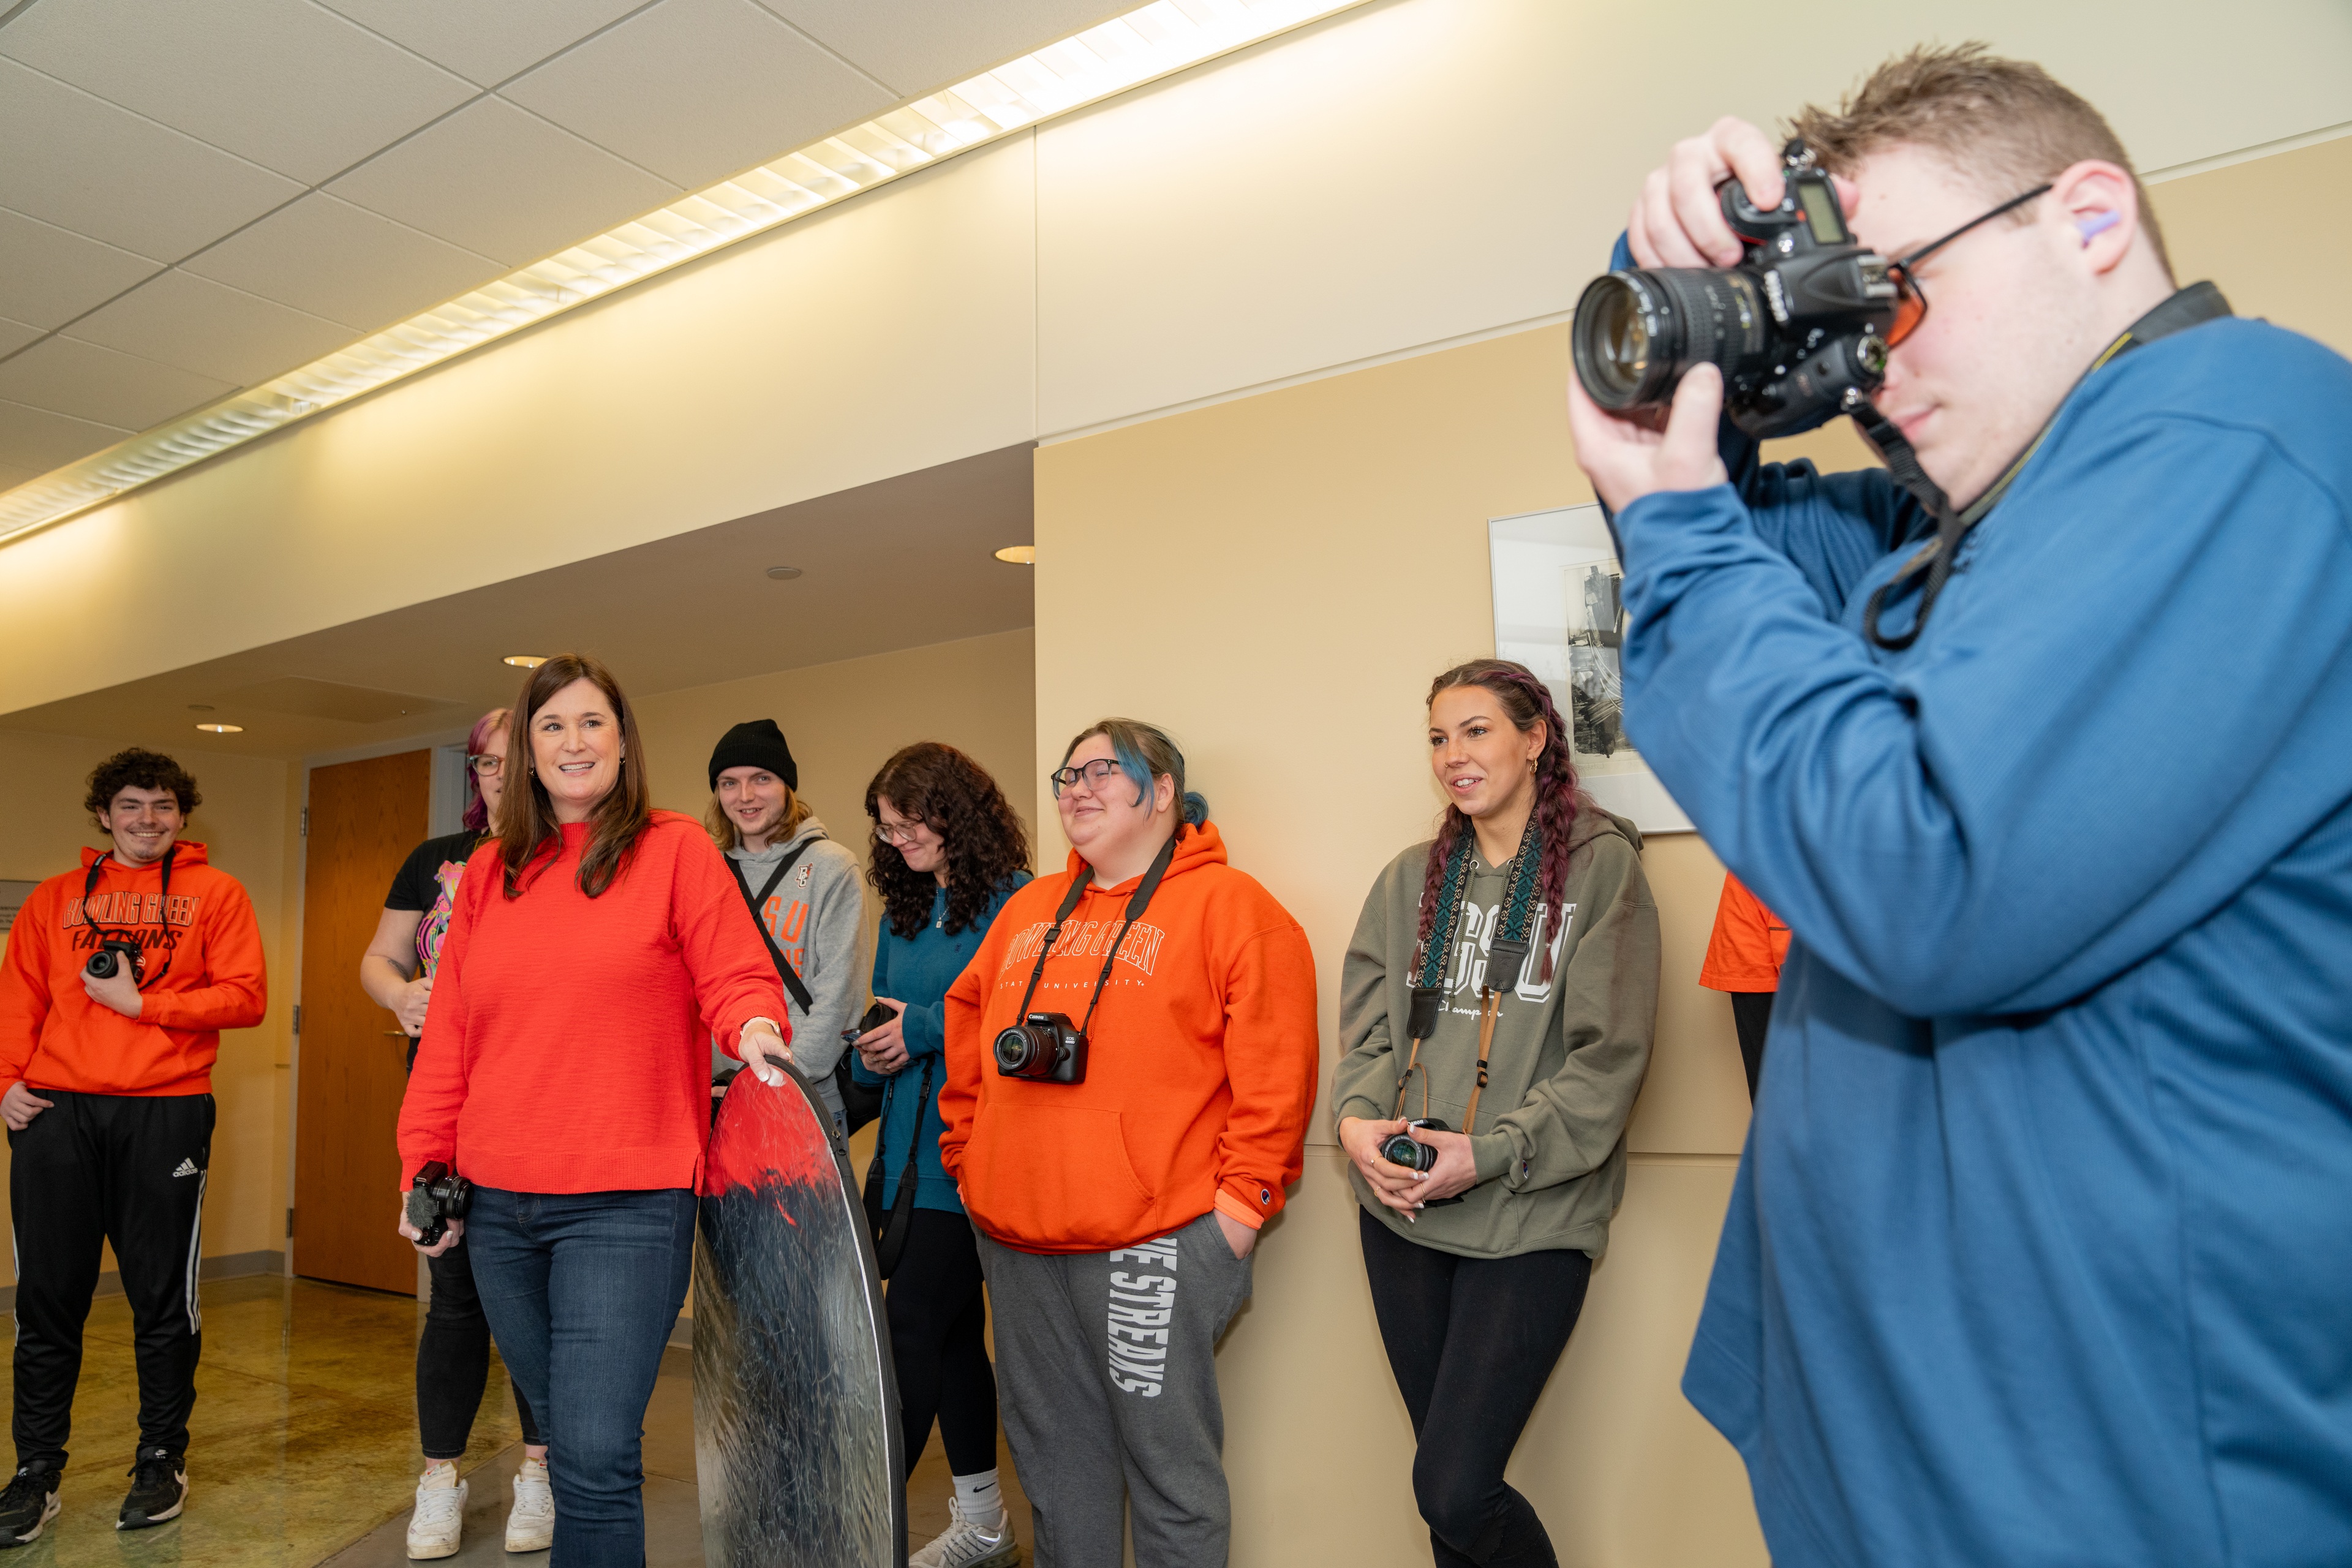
<point x="1201" y="1062"/>
<point x="203" y="967"/>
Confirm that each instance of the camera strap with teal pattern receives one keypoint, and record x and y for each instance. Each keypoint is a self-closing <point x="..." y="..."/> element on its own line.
<point x="1506" y="954"/>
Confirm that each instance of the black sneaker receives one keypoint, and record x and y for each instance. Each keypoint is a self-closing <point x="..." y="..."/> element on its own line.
<point x="159" y="1490"/>
<point x="27" y="1503"/>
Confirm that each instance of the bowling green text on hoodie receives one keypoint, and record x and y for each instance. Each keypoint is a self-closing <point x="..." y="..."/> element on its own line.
<point x="1201" y="1062"/>
<point x="203" y="972"/>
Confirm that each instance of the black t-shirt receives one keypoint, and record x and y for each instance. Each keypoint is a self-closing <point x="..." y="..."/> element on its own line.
<point x="428" y="884"/>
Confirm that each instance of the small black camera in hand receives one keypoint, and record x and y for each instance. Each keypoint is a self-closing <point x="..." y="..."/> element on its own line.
<point x="875" y="1017"/>
<point x="1403" y="1149"/>
<point x="437" y="1196"/>
<point x="117" y="955"/>
<point x="1045" y="1046"/>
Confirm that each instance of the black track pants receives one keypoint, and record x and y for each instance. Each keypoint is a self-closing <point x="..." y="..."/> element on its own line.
<point x="938" y="1326"/>
<point x="126" y="1169"/>
<point x="1472" y="1341"/>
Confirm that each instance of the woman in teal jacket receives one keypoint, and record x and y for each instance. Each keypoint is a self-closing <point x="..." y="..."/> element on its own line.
<point x="948" y="850"/>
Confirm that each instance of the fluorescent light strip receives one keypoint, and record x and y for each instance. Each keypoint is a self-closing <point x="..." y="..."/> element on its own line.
<point x="1165" y="37"/>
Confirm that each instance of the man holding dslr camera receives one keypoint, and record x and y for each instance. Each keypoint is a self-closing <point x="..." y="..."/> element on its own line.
<point x="2036" y="1253"/>
<point x="118" y="980"/>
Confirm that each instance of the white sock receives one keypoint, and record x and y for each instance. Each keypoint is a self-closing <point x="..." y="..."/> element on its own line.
<point x="981" y="1501"/>
<point x="442" y="1471"/>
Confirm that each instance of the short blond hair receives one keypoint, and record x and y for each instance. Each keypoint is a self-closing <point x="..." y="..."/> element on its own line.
<point x="2007" y="125"/>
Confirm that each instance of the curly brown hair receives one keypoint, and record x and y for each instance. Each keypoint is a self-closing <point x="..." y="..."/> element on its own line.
<point x="945" y="790"/>
<point x="139" y="769"/>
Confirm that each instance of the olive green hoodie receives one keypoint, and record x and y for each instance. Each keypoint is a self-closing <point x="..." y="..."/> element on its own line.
<point x="1568" y="1057"/>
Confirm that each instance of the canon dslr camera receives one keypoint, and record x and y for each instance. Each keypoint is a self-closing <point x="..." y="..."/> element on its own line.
<point x="1798" y="328"/>
<point x="117" y="955"/>
<point x="1045" y="1046"/>
<point x="437" y="1196"/>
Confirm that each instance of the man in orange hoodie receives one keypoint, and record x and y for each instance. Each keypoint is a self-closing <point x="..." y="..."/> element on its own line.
<point x="1118" y="1204"/>
<point x="105" y="1087"/>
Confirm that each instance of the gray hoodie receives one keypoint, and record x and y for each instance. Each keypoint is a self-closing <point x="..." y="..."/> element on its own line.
<point x="1568" y="1052"/>
<point x="817" y="915"/>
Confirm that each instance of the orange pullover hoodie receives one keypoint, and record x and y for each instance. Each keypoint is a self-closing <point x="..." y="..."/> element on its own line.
<point x="204" y="974"/>
<point x="1201" y="1065"/>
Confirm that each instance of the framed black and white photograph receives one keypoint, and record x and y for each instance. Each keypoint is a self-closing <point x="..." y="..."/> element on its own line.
<point x="1559" y="610"/>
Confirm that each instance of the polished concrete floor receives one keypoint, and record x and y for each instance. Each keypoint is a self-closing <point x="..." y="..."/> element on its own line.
<point x="303" y="1447"/>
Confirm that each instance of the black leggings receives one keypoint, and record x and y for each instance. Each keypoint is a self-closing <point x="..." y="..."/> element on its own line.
<point x="1751" y="1014"/>
<point x="939" y="1324"/>
<point x="453" y="1360"/>
<point x="1472" y="1341"/>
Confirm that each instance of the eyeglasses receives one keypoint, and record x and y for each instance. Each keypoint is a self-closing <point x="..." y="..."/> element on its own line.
<point x="1910" y="299"/>
<point x="485" y="765"/>
<point x="1096" y="773"/>
<point x="902" y="834"/>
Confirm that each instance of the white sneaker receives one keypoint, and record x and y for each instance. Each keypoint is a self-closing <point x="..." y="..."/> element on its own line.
<point x="967" y="1546"/>
<point x="439" y="1522"/>
<point x="530" y="1527"/>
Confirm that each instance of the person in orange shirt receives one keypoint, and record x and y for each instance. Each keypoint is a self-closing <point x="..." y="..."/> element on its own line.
<point x="1118" y="1187"/>
<point x="106" y="1085"/>
<point x="1744" y="958"/>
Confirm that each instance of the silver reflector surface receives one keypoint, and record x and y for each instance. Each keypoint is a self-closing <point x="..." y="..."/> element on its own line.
<point x="796" y="1440"/>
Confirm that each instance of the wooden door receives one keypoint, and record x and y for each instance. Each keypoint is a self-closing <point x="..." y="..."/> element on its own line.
<point x="364" y="820"/>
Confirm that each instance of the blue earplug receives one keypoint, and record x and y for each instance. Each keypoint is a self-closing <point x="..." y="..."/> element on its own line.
<point x="2098" y="224"/>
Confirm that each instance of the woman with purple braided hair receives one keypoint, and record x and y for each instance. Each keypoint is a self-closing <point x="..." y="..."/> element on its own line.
<point x="1496" y="1010"/>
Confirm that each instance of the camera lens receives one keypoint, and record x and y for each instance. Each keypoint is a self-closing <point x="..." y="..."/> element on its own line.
<point x="102" y="964"/>
<point x="1636" y="332"/>
<point x="1018" y="1047"/>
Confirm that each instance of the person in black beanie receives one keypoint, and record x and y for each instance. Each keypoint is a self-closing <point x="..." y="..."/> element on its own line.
<point x="804" y="891"/>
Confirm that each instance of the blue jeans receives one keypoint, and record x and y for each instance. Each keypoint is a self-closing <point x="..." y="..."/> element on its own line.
<point x="582" y="1290"/>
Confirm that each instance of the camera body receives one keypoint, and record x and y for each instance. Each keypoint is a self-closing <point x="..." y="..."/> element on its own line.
<point x="1797" y="327"/>
<point x="115" y="954"/>
<point x="436" y="1196"/>
<point x="875" y="1017"/>
<point x="1045" y="1046"/>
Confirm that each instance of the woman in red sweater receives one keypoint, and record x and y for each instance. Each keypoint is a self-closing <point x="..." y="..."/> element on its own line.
<point x="595" y="947"/>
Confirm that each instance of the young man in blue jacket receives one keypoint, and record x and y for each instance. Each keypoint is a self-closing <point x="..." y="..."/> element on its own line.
<point x="2038" y="1253"/>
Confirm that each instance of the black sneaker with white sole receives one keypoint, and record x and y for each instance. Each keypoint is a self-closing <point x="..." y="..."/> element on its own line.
<point x="27" y="1503"/>
<point x="159" y="1490"/>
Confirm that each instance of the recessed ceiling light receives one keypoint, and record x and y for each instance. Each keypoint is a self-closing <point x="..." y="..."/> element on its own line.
<point x="784" y="574"/>
<point x="1018" y="555"/>
<point x="1144" y="45"/>
<point x="526" y="660"/>
<point x="200" y="707"/>
<point x="223" y="729"/>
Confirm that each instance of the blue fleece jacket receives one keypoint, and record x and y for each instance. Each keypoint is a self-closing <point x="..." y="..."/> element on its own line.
<point x="2041" y="1248"/>
<point x="918" y="971"/>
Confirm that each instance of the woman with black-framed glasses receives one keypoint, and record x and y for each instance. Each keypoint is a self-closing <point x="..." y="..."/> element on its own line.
<point x="453" y="1353"/>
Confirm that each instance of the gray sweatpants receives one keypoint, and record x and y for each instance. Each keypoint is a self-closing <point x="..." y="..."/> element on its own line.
<point x="1106" y="1364"/>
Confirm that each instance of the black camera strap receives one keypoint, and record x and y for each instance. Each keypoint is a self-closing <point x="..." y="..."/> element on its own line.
<point x="1136" y="905"/>
<point x="170" y="944"/>
<point x="1931" y="565"/>
<point x="890" y="1239"/>
<point x="784" y="970"/>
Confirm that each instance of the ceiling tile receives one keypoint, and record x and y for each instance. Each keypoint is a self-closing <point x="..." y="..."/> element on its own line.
<point x="918" y="46"/>
<point x="36" y="439"/>
<point x="50" y="275"/>
<point x="211" y="329"/>
<point x="14" y="335"/>
<point x="82" y="163"/>
<point x="699" y="90"/>
<point x="103" y="386"/>
<point x="330" y="258"/>
<point x="503" y="182"/>
<point x="292" y="87"/>
<point x="486" y="43"/>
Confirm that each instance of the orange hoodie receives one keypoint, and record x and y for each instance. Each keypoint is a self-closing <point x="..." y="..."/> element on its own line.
<point x="1201" y="1064"/>
<point x="204" y="974"/>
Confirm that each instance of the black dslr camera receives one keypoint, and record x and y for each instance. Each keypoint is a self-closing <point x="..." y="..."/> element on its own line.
<point x="114" y="955"/>
<point x="1798" y="327"/>
<point x="1045" y="1046"/>
<point x="437" y="1196"/>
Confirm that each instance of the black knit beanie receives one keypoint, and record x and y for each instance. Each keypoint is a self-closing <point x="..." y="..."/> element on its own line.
<point x="758" y="744"/>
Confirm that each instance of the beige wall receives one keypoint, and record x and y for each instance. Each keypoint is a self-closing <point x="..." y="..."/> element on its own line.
<point x="242" y="824"/>
<point x="2273" y="233"/>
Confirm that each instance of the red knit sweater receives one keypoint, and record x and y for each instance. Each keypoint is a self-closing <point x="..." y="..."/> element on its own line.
<point x="568" y="1045"/>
